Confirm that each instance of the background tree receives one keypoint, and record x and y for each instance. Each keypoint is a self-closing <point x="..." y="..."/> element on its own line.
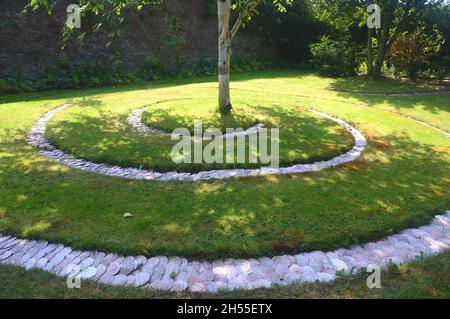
<point x="439" y="17"/>
<point x="412" y="49"/>
<point x="397" y="16"/>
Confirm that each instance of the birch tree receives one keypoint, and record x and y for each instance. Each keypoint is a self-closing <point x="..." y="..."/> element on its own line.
<point x="243" y="10"/>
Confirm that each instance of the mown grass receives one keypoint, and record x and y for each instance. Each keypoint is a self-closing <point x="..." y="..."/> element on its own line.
<point x="424" y="278"/>
<point x="401" y="180"/>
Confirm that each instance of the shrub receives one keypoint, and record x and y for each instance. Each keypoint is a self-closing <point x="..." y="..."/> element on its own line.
<point x="411" y="52"/>
<point x="7" y="87"/>
<point x="204" y="66"/>
<point x="151" y="69"/>
<point x="80" y="74"/>
<point x="335" y="57"/>
<point x="440" y="69"/>
<point x="243" y="64"/>
<point x="15" y="84"/>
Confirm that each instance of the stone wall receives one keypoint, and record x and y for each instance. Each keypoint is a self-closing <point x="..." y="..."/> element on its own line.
<point x="27" y="41"/>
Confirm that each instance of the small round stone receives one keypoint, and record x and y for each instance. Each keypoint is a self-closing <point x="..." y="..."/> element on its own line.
<point x="165" y="284"/>
<point x="41" y="263"/>
<point x="290" y="278"/>
<point x="316" y="264"/>
<point x="302" y="260"/>
<point x="120" y="280"/>
<point x="113" y="268"/>
<point x="5" y="238"/>
<point x="206" y="275"/>
<point x="59" y="257"/>
<point x="99" y="258"/>
<point x="295" y="269"/>
<point x="262" y="283"/>
<point x="131" y="279"/>
<point x="88" y="273"/>
<point x="150" y="264"/>
<point x="101" y="269"/>
<point x="127" y="268"/>
<point x="85" y="263"/>
<point x="212" y="287"/>
<point x="6" y="255"/>
<point x="106" y="279"/>
<point x="139" y="261"/>
<point x="197" y="287"/>
<point x="324" y="277"/>
<point x="30" y="263"/>
<point x="141" y="278"/>
<point x="339" y="265"/>
<point x="48" y="266"/>
<point x="179" y="285"/>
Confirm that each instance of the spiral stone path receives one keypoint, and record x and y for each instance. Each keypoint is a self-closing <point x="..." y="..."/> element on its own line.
<point x="179" y="274"/>
<point x="37" y="138"/>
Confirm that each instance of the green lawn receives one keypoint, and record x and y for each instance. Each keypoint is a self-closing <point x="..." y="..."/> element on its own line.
<point x="424" y="278"/>
<point x="401" y="181"/>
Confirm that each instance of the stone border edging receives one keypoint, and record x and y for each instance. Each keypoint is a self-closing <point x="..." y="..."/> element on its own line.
<point x="431" y="126"/>
<point x="36" y="138"/>
<point x="135" y="120"/>
<point x="443" y="92"/>
<point x="179" y="274"/>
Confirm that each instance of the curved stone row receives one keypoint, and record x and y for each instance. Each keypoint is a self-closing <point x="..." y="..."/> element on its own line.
<point x="135" y="120"/>
<point x="179" y="274"/>
<point x="431" y="126"/>
<point x="37" y="139"/>
<point x="394" y="94"/>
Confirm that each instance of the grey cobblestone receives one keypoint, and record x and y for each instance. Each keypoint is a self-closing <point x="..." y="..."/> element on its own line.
<point x="229" y="274"/>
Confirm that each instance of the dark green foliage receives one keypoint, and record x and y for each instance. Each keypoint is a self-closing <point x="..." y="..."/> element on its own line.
<point x="439" y="68"/>
<point x="291" y="32"/>
<point x="204" y="66"/>
<point x="81" y="74"/>
<point x="335" y="57"/>
<point x="8" y="87"/>
<point x="151" y="69"/>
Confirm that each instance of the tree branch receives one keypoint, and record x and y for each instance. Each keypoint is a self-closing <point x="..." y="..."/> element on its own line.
<point x="400" y="25"/>
<point x="242" y="15"/>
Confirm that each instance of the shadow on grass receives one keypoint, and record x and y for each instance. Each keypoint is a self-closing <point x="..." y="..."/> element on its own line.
<point x="79" y="93"/>
<point x="165" y="119"/>
<point x="356" y="87"/>
<point x="388" y="190"/>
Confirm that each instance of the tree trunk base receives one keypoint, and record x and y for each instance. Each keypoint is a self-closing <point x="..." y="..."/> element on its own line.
<point x="376" y="76"/>
<point x="227" y="109"/>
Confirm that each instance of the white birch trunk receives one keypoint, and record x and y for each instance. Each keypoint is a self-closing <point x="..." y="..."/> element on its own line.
<point x="224" y="13"/>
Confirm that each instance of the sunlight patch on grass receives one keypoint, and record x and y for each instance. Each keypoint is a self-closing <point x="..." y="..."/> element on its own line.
<point x="37" y="227"/>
